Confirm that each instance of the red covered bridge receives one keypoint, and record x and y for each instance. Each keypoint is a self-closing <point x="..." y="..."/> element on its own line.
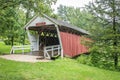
<point x="52" y="37"/>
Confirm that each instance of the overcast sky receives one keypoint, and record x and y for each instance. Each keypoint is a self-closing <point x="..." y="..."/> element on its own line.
<point x="75" y="3"/>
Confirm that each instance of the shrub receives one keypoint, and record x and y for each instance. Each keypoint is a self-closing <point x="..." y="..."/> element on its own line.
<point x="99" y="57"/>
<point x="84" y="59"/>
<point x="7" y="42"/>
<point x="102" y="57"/>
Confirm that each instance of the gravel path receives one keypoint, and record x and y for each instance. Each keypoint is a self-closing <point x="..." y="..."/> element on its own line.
<point x="24" y="58"/>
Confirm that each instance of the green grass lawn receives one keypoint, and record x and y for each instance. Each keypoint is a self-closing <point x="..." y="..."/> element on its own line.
<point x="5" y="49"/>
<point x="61" y="69"/>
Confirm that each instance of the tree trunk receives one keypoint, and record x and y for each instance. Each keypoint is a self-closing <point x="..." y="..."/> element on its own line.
<point x="115" y="37"/>
<point x="12" y="40"/>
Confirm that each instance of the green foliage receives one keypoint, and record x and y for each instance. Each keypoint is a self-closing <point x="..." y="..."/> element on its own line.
<point x="7" y="42"/>
<point x="105" y="49"/>
<point x="98" y="57"/>
<point x="10" y="25"/>
<point x="15" y="14"/>
<point x="75" y="16"/>
<point x="102" y="50"/>
<point x="84" y="59"/>
<point x="95" y="56"/>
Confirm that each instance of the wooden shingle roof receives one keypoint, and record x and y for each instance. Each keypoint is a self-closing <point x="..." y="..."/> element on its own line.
<point x="67" y="25"/>
<point x="63" y="26"/>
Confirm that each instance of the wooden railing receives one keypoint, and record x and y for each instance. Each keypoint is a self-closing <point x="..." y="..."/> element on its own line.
<point x="51" y="49"/>
<point x="21" y="47"/>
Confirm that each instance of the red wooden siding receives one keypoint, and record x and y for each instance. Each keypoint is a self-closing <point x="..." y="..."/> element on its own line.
<point x="72" y="44"/>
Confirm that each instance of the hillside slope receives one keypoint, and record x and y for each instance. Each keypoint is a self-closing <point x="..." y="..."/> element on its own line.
<point x="61" y="69"/>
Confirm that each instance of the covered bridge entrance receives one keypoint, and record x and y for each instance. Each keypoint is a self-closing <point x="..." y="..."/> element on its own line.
<point x="52" y="37"/>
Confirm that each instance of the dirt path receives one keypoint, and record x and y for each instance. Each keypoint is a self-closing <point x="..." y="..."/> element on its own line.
<point x="24" y="58"/>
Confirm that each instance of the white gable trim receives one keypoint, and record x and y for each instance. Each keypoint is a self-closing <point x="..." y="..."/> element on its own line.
<point x="38" y="19"/>
<point x="30" y="21"/>
<point x="49" y="19"/>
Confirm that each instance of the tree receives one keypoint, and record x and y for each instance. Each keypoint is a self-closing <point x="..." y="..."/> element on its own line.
<point x="15" y="14"/>
<point x="10" y="26"/>
<point x="9" y="3"/>
<point x="106" y="16"/>
<point x="75" y="16"/>
<point x="7" y="15"/>
<point x="34" y="7"/>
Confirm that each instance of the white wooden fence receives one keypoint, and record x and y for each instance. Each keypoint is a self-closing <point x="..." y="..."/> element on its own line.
<point x="47" y="50"/>
<point x="51" y="49"/>
<point x="21" y="47"/>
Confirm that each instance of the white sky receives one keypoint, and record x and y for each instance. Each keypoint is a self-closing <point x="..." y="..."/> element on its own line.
<point x="75" y="3"/>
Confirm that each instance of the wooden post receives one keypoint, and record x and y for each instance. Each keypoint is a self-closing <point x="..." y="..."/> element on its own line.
<point x="11" y="52"/>
<point x="22" y="49"/>
<point x="44" y="52"/>
<point x="58" y="32"/>
<point x="52" y="52"/>
<point x="58" y="50"/>
<point x="28" y="33"/>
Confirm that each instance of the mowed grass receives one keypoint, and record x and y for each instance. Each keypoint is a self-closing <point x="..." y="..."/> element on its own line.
<point x="5" y="49"/>
<point x="60" y="69"/>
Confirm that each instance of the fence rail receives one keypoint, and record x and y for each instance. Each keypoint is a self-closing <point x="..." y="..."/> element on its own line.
<point x="51" y="49"/>
<point x="21" y="47"/>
